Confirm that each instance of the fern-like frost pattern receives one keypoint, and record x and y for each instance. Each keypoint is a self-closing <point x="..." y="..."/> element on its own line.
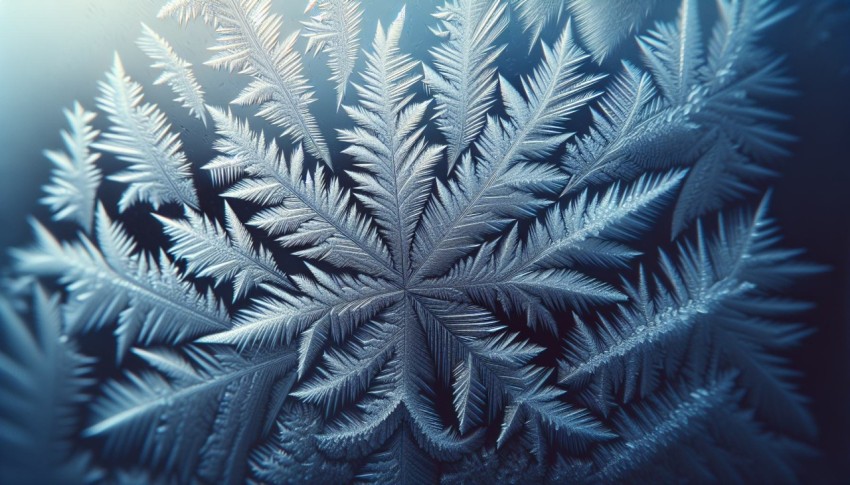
<point x="456" y="290"/>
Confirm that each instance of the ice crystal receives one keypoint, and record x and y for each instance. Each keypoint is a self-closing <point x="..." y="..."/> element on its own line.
<point x="466" y="303"/>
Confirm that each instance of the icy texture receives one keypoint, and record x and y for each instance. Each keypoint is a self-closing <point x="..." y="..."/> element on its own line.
<point x="465" y="303"/>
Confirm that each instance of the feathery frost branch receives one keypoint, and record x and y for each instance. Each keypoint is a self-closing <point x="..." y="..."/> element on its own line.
<point x="176" y="72"/>
<point x="498" y="185"/>
<point x="75" y="178"/>
<point x="248" y="36"/>
<point x="464" y="82"/>
<point x="604" y="24"/>
<point x="335" y="30"/>
<point x="141" y="136"/>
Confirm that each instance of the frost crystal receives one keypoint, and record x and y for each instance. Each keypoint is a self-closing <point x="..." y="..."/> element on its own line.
<point x="452" y="290"/>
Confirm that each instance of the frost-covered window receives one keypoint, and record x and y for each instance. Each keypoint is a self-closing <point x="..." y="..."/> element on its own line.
<point x="532" y="246"/>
